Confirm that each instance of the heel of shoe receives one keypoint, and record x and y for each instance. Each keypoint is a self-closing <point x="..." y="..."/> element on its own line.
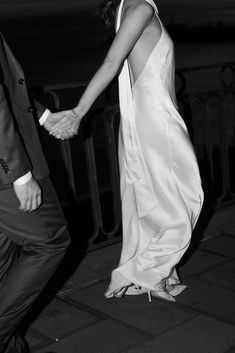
<point x="149" y="296"/>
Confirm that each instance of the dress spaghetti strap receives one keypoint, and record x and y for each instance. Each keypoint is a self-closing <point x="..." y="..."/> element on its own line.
<point x="151" y="2"/>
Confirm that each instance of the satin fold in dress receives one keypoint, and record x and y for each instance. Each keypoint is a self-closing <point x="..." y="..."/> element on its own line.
<point x="160" y="183"/>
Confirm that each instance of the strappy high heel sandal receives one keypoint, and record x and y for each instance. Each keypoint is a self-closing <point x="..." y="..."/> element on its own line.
<point x="175" y="289"/>
<point x="163" y="295"/>
<point x="136" y="290"/>
<point x="118" y="285"/>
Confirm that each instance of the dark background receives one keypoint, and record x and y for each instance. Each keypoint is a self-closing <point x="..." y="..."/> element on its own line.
<point x="59" y="41"/>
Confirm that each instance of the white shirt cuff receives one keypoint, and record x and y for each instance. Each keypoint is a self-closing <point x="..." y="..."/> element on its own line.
<point x="44" y="117"/>
<point x="24" y="179"/>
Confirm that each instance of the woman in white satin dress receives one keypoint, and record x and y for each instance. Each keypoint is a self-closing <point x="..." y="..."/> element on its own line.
<point x="160" y="183"/>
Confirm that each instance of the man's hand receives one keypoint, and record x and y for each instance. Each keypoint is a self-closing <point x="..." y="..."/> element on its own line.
<point x="69" y="125"/>
<point x="54" y="119"/>
<point x="29" y="195"/>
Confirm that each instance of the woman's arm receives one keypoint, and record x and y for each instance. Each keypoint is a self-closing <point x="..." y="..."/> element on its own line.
<point x="135" y="18"/>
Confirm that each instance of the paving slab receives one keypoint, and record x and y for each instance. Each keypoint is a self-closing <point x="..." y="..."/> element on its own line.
<point x="231" y="350"/>
<point x="210" y="299"/>
<point x="35" y="339"/>
<point x="197" y="262"/>
<point x="60" y="319"/>
<point x="96" y="266"/>
<point x="198" y="335"/>
<point x="103" y="337"/>
<point x="153" y="318"/>
<point x="222" y="221"/>
<point x="222" y="245"/>
<point x="223" y="275"/>
<point x="83" y="320"/>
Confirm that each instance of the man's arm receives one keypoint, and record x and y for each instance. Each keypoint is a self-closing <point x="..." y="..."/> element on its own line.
<point x="14" y="161"/>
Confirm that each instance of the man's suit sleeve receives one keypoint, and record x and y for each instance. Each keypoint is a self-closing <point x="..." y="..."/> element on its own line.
<point x="14" y="161"/>
<point x="40" y="109"/>
<point x="42" y="112"/>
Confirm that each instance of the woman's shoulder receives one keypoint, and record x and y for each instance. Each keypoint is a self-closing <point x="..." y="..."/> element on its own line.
<point x="137" y="5"/>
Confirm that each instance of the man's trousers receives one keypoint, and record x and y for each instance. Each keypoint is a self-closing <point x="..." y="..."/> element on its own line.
<point x="32" y="244"/>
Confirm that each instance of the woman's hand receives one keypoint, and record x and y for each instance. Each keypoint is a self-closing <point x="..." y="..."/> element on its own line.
<point x="68" y="127"/>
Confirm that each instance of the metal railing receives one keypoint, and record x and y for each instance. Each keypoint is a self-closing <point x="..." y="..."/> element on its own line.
<point x="90" y="159"/>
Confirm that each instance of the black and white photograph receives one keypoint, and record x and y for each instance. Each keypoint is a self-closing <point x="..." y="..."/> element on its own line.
<point x="117" y="176"/>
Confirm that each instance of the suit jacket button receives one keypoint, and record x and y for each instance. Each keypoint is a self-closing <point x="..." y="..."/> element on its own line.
<point x="30" y="109"/>
<point x="21" y="81"/>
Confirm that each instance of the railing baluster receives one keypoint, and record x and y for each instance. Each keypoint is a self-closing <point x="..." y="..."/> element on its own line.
<point x="208" y="137"/>
<point x="109" y="116"/>
<point x="224" y="150"/>
<point x="93" y="179"/>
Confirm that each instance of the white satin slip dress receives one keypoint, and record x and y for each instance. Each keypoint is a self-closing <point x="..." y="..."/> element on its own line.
<point x="159" y="178"/>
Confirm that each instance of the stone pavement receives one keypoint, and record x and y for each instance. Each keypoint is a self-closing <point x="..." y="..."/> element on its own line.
<point x="80" y="320"/>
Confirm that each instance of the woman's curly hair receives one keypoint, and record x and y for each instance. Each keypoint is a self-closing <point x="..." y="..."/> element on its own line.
<point x="107" y="13"/>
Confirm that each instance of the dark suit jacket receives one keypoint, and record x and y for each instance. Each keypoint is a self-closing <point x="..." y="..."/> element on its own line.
<point x="20" y="148"/>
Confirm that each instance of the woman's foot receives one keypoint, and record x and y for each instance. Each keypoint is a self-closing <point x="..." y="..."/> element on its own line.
<point x="175" y="289"/>
<point x="118" y="285"/>
<point x="161" y="295"/>
<point x="136" y="290"/>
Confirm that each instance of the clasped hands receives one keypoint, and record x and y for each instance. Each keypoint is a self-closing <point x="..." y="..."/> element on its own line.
<point x="63" y="125"/>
